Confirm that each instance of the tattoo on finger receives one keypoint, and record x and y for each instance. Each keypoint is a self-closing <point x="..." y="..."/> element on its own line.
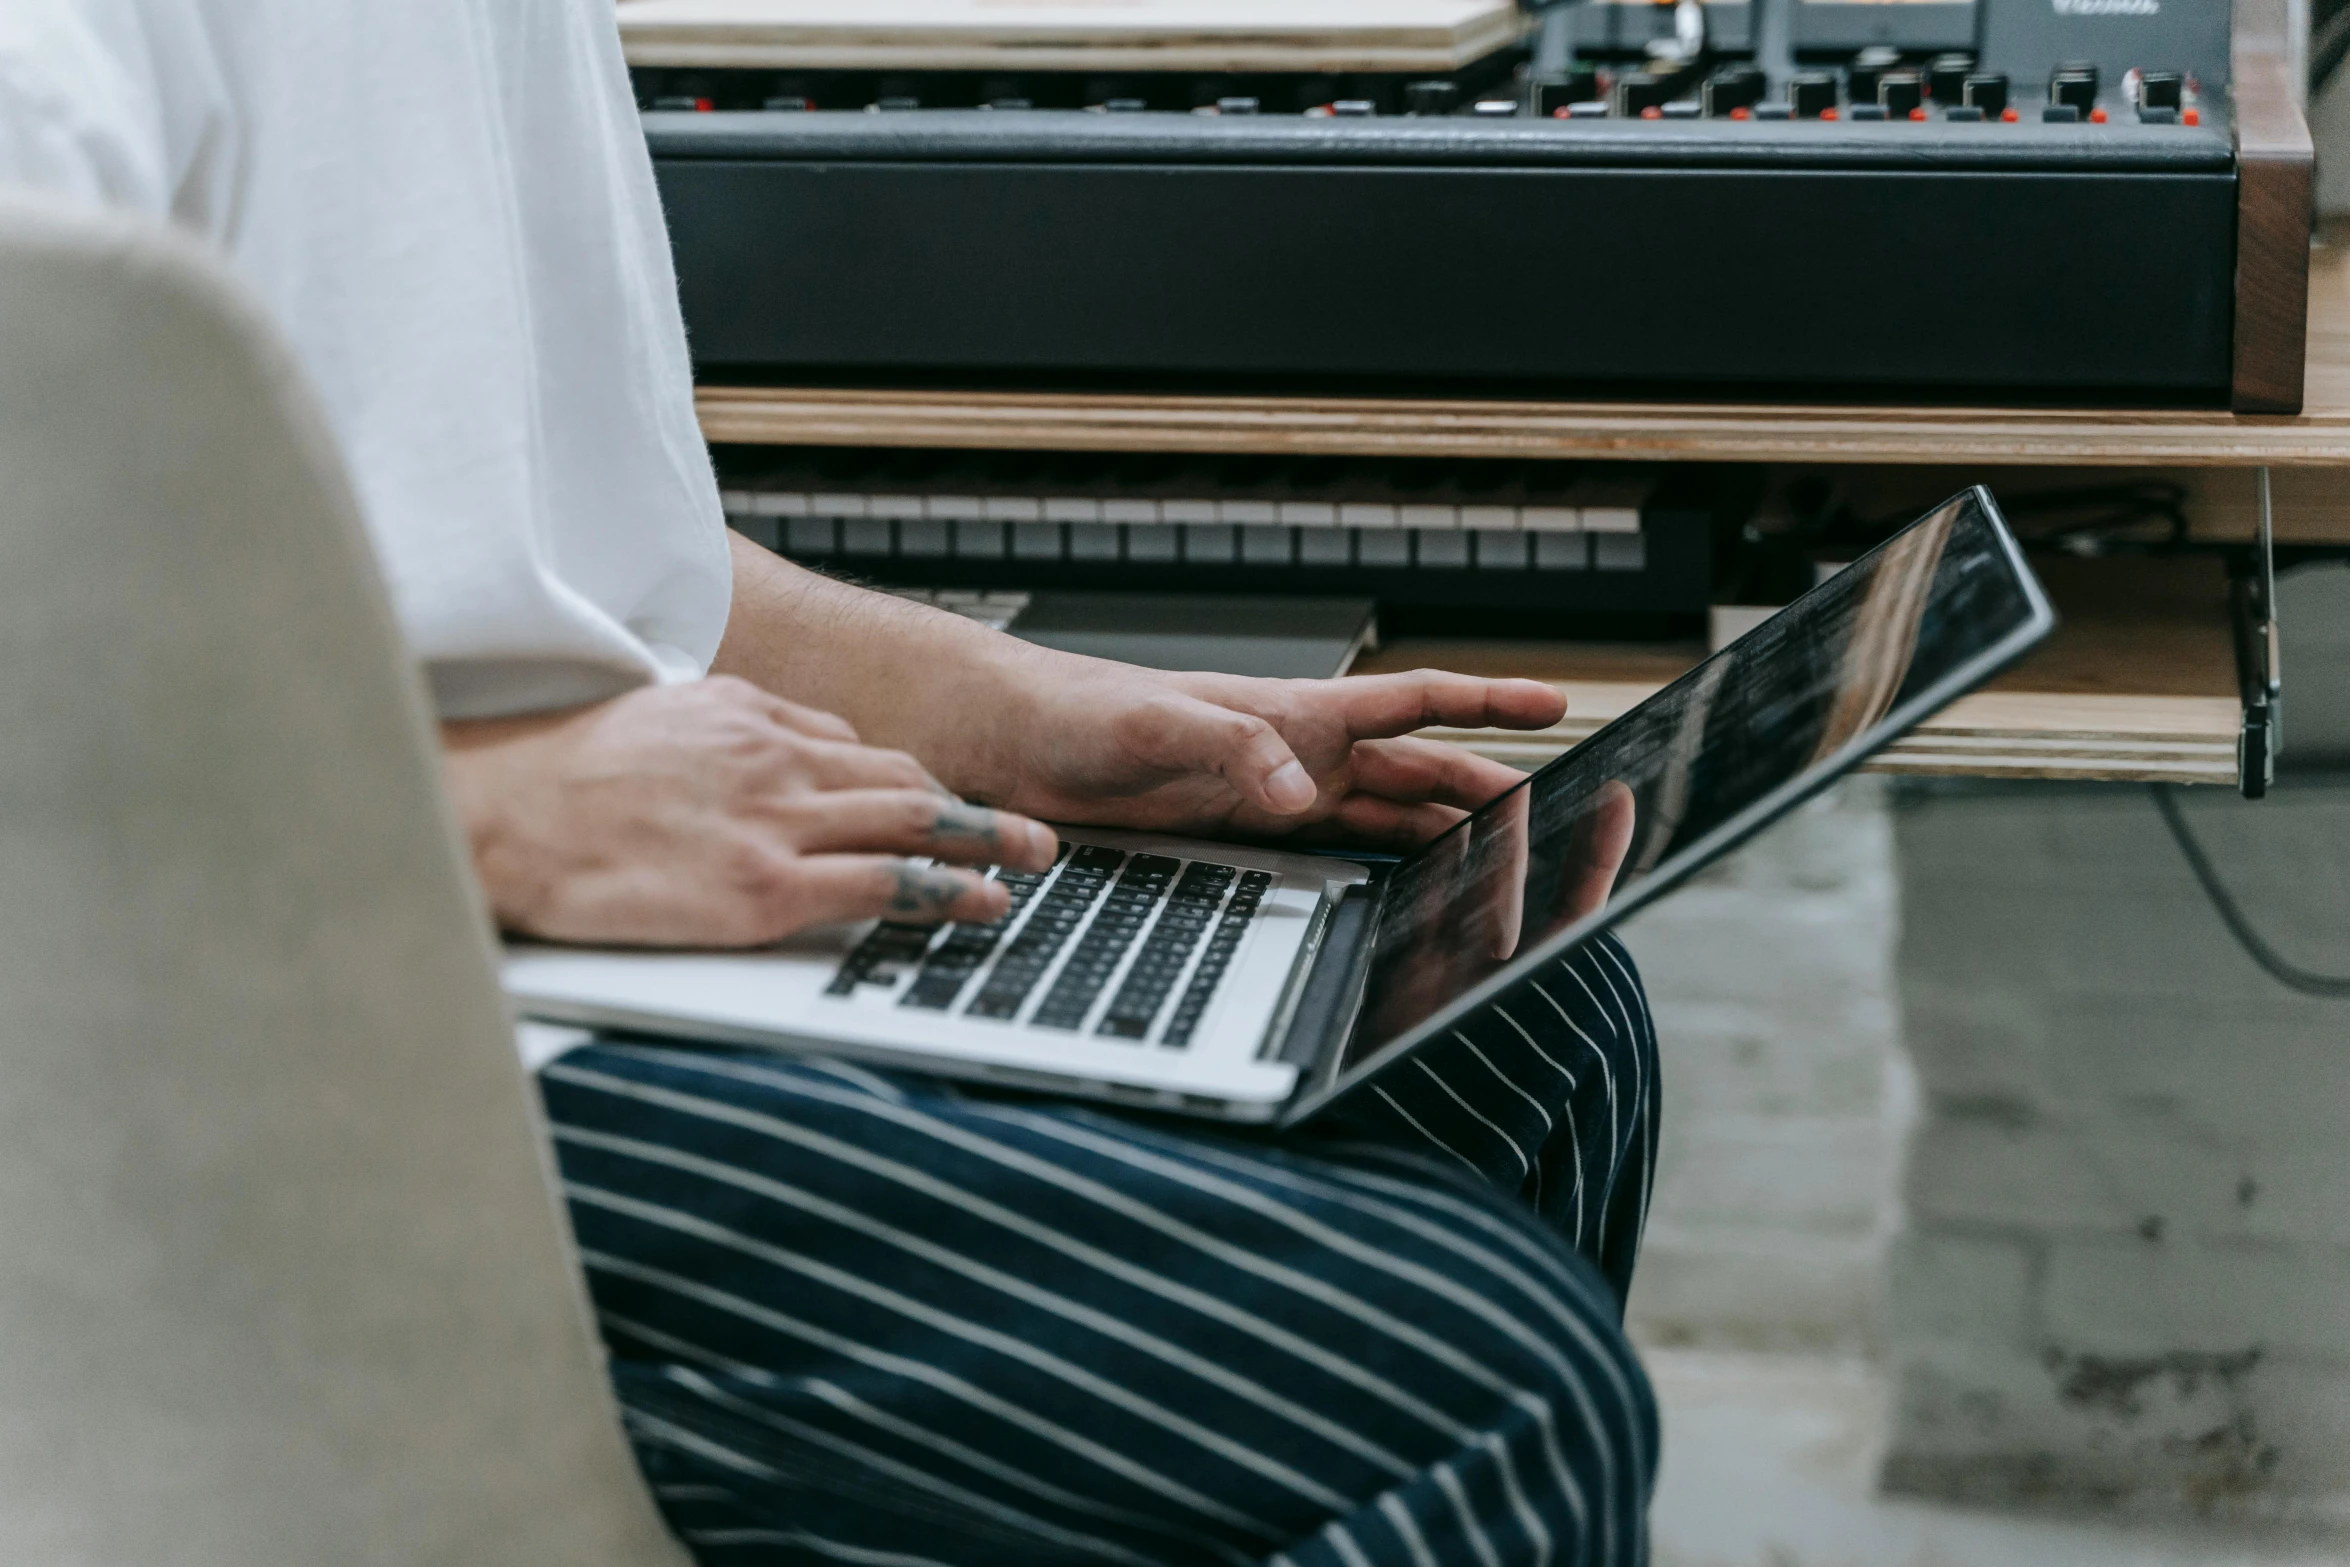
<point x="924" y="893"/>
<point x="959" y="824"/>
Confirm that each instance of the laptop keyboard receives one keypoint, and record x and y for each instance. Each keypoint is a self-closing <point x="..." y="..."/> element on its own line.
<point x="1149" y="922"/>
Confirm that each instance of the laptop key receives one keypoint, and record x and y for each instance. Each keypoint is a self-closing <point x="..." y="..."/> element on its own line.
<point x="1215" y="960"/>
<point x="880" y="957"/>
<point x="1172" y="940"/>
<point x="1083" y="877"/>
<point x="967" y="948"/>
<point x="1106" y="941"/>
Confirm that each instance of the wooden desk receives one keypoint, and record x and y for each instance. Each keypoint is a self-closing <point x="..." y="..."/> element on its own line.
<point x="2139" y="685"/>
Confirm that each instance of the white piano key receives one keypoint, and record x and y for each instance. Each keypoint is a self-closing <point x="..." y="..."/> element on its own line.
<point x="980" y="540"/>
<point x="1093" y="541"/>
<point x="780" y="503"/>
<point x="1189" y="512"/>
<point x="735" y="503"/>
<point x="1325" y="546"/>
<point x="1611" y="505"/>
<point x="929" y="537"/>
<point x="762" y="531"/>
<point x="1441" y="548"/>
<point x="1248" y="514"/>
<point x="893" y="506"/>
<point x="1489" y="518"/>
<point x="1153" y="542"/>
<point x="1211" y="544"/>
<point x="1500" y="549"/>
<point x="866" y="536"/>
<point x="1383" y="547"/>
<point x="953" y="508"/>
<point x="1130" y="511"/>
<point x="1072" y="508"/>
<point x="837" y="505"/>
<point x="810" y="536"/>
<point x="1012" y="508"/>
<point x="1038" y="541"/>
<point x="1368" y="514"/>
<point x="1561" y="551"/>
<point x="1550" y="519"/>
<point x="1308" y="514"/>
<point x="1427" y="516"/>
<point x="1619" y="551"/>
<point x="1267" y="546"/>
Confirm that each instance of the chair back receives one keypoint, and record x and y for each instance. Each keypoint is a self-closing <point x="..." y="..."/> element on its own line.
<point x="283" y="1280"/>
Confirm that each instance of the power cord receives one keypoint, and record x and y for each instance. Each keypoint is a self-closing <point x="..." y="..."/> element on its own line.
<point x="2279" y="967"/>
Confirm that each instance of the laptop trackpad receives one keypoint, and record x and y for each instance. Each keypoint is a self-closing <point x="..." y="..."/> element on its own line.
<point x="1281" y="638"/>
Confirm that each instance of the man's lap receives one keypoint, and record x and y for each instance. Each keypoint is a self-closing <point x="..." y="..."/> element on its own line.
<point x="857" y="1313"/>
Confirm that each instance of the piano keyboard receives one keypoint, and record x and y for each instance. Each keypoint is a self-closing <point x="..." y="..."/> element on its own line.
<point x="1406" y="531"/>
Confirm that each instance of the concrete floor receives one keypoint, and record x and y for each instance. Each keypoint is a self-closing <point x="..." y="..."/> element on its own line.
<point x="1768" y="1463"/>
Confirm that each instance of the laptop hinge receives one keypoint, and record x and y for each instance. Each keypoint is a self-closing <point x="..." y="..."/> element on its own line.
<point x="1326" y="1005"/>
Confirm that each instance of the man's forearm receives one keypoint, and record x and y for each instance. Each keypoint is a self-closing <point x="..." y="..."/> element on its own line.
<point x="909" y="677"/>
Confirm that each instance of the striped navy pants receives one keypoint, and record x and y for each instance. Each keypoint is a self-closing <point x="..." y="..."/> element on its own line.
<point x="858" y="1318"/>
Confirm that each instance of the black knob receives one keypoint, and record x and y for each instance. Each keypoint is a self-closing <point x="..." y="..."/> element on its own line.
<point x="1637" y="90"/>
<point x="1432" y="97"/>
<point x="1866" y="67"/>
<point x="1811" y="94"/>
<point x="1577" y="84"/>
<point x="1946" y="77"/>
<point x="1987" y="91"/>
<point x="1734" y="87"/>
<point x="2074" y="88"/>
<point x="1899" y="92"/>
<point x="2161" y="90"/>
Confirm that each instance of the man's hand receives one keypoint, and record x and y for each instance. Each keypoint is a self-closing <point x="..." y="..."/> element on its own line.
<point x="1072" y="739"/>
<point x="1110" y="745"/>
<point x="715" y="814"/>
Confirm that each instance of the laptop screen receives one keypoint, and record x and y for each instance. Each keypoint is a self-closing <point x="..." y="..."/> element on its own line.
<point x="1693" y="771"/>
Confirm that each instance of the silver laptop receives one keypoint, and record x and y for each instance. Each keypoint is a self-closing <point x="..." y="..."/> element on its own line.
<point x="1253" y="984"/>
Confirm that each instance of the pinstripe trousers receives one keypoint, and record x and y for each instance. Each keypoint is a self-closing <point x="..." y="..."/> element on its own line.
<point x="858" y="1318"/>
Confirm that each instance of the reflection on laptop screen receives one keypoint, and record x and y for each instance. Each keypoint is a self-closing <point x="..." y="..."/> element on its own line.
<point x="1877" y="646"/>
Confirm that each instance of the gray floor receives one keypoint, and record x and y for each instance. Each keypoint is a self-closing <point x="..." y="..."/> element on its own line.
<point x="1769" y="1459"/>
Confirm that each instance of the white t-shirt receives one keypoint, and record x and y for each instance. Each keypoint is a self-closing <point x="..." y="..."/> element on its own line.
<point x="449" y="207"/>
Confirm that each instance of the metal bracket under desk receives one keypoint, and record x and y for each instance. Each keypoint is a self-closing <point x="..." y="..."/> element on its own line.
<point x="2260" y="676"/>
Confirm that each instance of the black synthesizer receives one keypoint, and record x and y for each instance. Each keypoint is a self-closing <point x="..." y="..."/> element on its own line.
<point x="2021" y="201"/>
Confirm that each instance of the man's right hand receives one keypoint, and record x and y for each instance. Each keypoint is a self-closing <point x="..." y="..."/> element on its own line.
<point x="713" y="814"/>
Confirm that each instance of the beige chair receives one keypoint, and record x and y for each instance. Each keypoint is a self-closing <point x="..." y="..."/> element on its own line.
<point x="282" y="1282"/>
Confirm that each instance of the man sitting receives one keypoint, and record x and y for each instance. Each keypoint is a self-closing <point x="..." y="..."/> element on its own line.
<point x="857" y="1317"/>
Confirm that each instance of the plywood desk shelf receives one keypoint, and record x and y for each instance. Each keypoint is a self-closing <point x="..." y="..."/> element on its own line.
<point x="2138" y="684"/>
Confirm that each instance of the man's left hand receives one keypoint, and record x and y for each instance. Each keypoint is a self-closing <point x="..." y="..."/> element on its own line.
<point x="1109" y="745"/>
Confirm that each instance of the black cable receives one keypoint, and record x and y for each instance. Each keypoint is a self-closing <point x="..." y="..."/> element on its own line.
<point x="2280" y="968"/>
<point x="2329" y="41"/>
<point x="2087" y="519"/>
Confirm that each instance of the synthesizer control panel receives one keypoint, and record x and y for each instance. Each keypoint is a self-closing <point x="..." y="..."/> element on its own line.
<point x="2006" y="200"/>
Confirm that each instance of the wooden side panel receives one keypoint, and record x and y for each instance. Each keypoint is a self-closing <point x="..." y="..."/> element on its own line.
<point x="2275" y="174"/>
